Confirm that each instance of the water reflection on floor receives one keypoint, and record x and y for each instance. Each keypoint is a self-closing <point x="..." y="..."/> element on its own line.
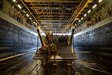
<point x="58" y="68"/>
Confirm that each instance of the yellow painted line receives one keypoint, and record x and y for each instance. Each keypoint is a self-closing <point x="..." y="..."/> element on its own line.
<point x="85" y="5"/>
<point x="99" y="24"/>
<point x="10" y="57"/>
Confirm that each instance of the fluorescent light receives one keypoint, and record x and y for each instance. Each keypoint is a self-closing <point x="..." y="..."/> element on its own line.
<point x="89" y="11"/>
<point x="24" y="11"/>
<point x="94" y="6"/>
<point x="85" y="15"/>
<point x="43" y="34"/>
<point x="79" y="20"/>
<point x="27" y="15"/>
<point x="30" y="18"/>
<point x="19" y="6"/>
<point x="14" y="1"/>
<point x="82" y="18"/>
<point x="35" y="23"/>
<point x="100" y="1"/>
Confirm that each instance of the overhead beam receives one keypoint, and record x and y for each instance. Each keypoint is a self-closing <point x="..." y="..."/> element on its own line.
<point x="60" y="1"/>
<point x="42" y="16"/>
<point x="51" y="23"/>
<point x="46" y="8"/>
<point x="85" y="6"/>
<point x="81" y="7"/>
<point x="52" y="4"/>
<point x="54" y="17"/>
<point x="55" y="28"/>
<point x="51" y="13"/>
<point x="53" y="20"/>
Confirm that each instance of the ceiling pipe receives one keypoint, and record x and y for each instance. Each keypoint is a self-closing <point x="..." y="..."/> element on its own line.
<point x="29" y="11"/>
<point x="60" y="1"/>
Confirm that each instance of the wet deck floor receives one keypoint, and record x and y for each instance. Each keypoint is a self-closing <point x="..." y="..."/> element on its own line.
<point x="62" y="64"/>
<point x="58" y="68"/>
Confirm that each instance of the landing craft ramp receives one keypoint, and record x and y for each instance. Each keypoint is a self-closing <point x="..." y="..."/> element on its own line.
<point x="62" y="64"/>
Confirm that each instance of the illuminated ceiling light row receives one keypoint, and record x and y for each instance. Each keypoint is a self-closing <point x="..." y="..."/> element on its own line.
<point x="85" y="15"/>
<point x="89" y="11"/>
<point x="94" y="6"/>
<point x="27" y="15"/>
<point x="19" y="6"/>
<point x="82" y="18"/>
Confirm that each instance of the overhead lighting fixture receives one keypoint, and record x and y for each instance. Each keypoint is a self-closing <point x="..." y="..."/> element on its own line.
<point x="57" y="8"/>
<point x="100" y="1"/>
<point x="24" y="11"/>
<point x="94" y="6"/>
<point x="14" y="1"/>
<point x="79" y="20"/>
<point x="27" y="15"/>
<point x="89" y="11"/>
<point x="82" y="18"/>
<point x="19" y="6"/>
<point x="30" y="18"/>
<point x="85" y="15"/>
<point x="35" y="23"/>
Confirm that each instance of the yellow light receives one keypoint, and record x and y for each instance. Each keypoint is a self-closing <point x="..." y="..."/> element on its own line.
<point x="27" y="15"/>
